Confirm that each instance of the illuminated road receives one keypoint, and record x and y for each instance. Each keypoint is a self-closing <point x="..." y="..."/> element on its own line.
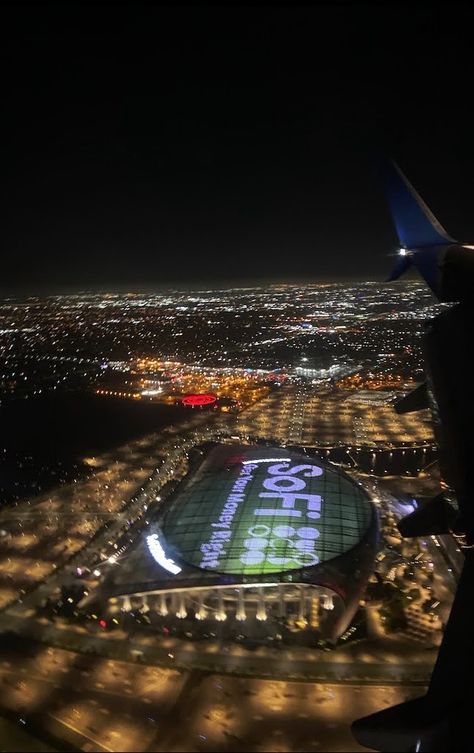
<point x="375" y="666"/>
<point x="95" y="703"/>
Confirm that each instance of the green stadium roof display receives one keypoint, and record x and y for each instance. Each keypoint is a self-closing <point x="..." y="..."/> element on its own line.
<point x="258" y="511"/>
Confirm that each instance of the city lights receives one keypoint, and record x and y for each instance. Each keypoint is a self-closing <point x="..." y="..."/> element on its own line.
<point x="276" y="373"/>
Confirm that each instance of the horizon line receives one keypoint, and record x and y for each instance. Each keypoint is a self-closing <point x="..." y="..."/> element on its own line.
<point x="181" y="286"/>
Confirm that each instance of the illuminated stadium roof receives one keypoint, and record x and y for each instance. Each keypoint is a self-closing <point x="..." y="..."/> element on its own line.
<point x="250" y="530"/>
<point x="254" y="511"/>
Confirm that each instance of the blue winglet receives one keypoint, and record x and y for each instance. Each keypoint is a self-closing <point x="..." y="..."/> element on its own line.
<point x="415" y="224"/>
<point x="401" y="266"/>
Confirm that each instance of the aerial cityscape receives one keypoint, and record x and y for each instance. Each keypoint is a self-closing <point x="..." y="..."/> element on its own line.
<point x="89" y="577"/>
<point x="236" y="441"/>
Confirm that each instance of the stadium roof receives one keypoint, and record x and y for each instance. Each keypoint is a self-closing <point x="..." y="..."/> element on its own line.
<point x="248" y="514"/>
<point x="258" y="510"/>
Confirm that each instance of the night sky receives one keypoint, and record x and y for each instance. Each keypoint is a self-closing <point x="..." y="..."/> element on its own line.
<point x="148" y="146"/>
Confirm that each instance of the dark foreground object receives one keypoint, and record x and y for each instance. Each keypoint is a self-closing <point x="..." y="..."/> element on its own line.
<point x="444" y="718"/>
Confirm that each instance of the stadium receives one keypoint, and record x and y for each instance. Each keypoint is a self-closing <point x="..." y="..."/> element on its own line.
<point x="266" y="536"/>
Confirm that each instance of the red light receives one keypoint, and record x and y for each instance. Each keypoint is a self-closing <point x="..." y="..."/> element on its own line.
<point x="102" y="624"/>
<point x="194" y="400"/>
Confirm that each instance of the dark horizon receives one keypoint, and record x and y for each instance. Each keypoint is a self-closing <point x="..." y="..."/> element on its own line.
<point x="199" y="285"/>
<point x="161" y="146"/>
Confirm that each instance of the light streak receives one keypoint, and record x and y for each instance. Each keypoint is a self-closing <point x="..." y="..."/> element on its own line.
<point x="158" y="554"/>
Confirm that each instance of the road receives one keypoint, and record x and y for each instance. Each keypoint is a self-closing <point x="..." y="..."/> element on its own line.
<point x="107" y="705"/>
<point x="380" y="666"/>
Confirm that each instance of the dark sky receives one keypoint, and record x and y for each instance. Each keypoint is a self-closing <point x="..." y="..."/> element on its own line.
<point x="146" y="145"/>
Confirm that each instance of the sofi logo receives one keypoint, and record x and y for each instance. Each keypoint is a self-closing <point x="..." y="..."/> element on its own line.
<point x="282" y="545"/>
<point x="284" y="485"/>
<point x="291" y="545"/>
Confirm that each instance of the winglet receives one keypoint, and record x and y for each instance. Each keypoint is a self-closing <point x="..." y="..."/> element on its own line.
<point x="401" y="266"/>
<point x="416" y="225"/>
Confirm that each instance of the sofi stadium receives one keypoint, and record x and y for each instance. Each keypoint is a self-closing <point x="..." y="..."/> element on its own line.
<point x="252" y="534"/>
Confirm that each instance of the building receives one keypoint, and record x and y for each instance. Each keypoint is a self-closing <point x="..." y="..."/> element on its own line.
<point x="251" y="534"/>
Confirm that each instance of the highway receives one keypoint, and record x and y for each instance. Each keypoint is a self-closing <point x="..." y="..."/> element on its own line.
<point x="108" y="705"/>
<point x="378" y="665"/>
